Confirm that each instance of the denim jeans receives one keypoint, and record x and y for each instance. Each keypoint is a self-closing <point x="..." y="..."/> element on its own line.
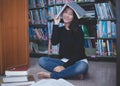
<point x="48" y="63"/>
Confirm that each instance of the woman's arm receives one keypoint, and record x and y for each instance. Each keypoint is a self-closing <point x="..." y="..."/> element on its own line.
<point x="55" y="33"/>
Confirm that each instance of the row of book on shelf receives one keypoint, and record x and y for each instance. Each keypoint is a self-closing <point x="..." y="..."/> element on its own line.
<point x="54" y="10"/>
<point x="38" y="33"/>
<point x="105" y="47"/>
<point x="52" y="2"/>
<point x="102" y="47"/>
<point x="43" y="49"/>
<point x="40" y="16"/>
<point x="105" y="10"/>
<point x="38" y="47"/>
<point x="43" y="3"/>
<point x="37" y="3"/>
<point x="106" y="27"/>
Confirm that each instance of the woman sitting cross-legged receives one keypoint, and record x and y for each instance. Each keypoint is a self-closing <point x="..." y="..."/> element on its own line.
<point x="70" y="37"/>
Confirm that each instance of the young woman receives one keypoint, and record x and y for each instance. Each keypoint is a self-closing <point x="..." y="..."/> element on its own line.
<point x="71" y="40"/>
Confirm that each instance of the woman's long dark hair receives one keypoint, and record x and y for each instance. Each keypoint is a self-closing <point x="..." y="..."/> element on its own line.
<point x="74" y="26"/>
<point x="75" y="23"/>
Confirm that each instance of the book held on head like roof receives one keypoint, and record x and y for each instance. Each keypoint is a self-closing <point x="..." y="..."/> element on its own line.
<point x="79" y="11"/>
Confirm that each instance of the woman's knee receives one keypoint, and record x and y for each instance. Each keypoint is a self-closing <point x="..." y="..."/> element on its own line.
<point x="82" y="67"/>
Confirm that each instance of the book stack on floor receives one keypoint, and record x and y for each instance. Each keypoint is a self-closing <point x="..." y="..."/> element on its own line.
<point x="17" y="78"/>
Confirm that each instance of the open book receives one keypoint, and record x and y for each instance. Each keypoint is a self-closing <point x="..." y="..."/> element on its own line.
<point x="52" y="82"/>
<point x="79" y="11"/>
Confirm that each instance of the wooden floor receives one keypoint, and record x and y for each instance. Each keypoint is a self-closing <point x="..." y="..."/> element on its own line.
<point x="99" y="74"/>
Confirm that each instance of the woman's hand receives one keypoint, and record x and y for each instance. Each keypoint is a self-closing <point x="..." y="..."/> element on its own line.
<point x="56" y="20"/>
<point x="59" y="68"/>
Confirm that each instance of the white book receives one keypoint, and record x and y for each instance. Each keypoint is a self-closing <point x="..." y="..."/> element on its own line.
<point x="28" y="83"/>
<point x="109" y="29"/>
<point x="100" y="11"/>
<point x="52" y="82"/>
<point x="108" y="47"/>
<point x="100" y="29"/>
<point x="79" y="11"/>
<point x="103" y="5"/>
<point x="15" y="79"/>
<point x="15" y="73"/>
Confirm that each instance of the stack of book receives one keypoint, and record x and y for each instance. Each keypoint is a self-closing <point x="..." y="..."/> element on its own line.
<point x="17" y="78"/>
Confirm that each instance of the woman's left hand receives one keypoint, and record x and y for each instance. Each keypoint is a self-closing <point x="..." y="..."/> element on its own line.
<point x="59" y="68"/>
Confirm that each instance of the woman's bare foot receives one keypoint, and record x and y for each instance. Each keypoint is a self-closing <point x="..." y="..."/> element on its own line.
<point x="43" y="75"/>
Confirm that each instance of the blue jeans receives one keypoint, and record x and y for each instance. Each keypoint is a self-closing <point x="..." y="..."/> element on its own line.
<point x="49" y="64"/>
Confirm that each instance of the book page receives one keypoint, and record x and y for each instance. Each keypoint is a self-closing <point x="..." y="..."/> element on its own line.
<point x="63" y="82"/>
<point x="44" y="82"/>
<point x="52" y="82"/>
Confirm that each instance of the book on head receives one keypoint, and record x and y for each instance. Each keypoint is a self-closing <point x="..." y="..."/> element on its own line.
<point x="79" y="11"/>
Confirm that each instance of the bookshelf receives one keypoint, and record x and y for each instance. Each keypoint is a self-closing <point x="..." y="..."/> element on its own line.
<point x="106" y="30"/>
<point x="97" y="46"/>
<point x="117" y="2"/>
<point x="13" y="34"/>
<point x="38" y="27"/>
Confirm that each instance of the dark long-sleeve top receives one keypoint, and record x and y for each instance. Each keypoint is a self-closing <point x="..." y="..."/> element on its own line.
<point x="71" y="47"/>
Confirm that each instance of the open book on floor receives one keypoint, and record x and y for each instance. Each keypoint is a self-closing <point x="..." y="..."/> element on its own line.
<point x="79" y="11"/>
<point x="52" y="82"/>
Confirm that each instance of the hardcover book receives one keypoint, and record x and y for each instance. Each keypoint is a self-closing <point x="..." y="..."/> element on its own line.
<point x="79" y="11"/>
<point x="17" y="77"/>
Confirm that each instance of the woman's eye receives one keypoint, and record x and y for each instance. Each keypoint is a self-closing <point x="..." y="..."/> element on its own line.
<point x="70" y="14"/>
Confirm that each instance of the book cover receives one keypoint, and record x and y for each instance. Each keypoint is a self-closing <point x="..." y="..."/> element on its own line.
<point x="79" y="11"/>
<point x="104" y="29"/>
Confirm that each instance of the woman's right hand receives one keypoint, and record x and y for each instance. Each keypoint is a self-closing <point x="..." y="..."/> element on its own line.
<point x="56" y="20"/>
<point x="58" y="68"/>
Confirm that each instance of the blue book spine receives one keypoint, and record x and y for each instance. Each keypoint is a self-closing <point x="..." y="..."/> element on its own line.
<point x="111" y="47"/>
<point x="104" y="29"/>
<point x="113" y="29"/>
<point x="31" y="32"/>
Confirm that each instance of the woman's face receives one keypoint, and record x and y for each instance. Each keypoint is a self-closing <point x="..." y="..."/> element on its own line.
<point x="67" y="15"/>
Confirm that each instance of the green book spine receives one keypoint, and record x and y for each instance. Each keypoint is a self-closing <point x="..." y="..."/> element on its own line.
<point x="84" y="28"/>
